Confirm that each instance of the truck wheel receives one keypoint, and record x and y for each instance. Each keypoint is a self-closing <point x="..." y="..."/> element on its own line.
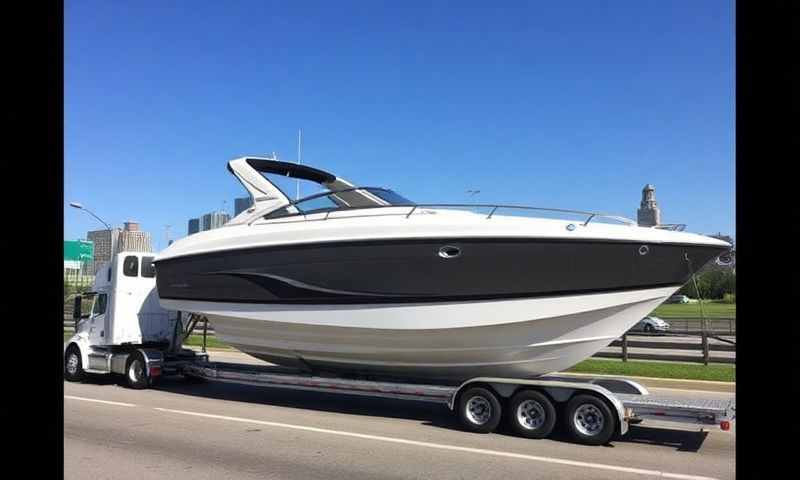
<point x="649" y="328"/>
<point x="589" y="420"/>
<point x="531" y="414"/>
<point x="73" y="366"/>
<point x="479" y="410"/>
<point x="136" y="372"/>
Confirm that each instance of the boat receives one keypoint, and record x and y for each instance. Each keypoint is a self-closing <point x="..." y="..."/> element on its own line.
<point x="362" y="281"/>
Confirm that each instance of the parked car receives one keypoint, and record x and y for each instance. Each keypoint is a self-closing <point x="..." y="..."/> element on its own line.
<point x="650" y="325"/>
<point x="678" y="299"/>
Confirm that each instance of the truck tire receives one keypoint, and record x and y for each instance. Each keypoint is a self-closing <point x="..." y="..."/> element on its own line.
<point x="590" y="420"/>
<point x="531" y="414"/>
<point x="479" y="410"/>
<point x="136" y="372"/>
<point x="73" y="365"/>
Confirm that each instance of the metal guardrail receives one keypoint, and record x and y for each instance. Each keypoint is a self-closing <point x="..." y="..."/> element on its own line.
<point x="703" y="345"/>
<point x="723" y="326"/>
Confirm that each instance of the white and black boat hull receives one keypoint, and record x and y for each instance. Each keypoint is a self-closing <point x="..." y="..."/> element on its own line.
<point x="444" y="308"/>
<point x="446" y="342"/>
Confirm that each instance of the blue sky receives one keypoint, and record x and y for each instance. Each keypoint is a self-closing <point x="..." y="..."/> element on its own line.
<point x="573" y="104"/>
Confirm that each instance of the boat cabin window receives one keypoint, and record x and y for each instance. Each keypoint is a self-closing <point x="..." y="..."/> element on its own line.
<point x="100" y="302"/>
<point x="352" y="198"/>
<point x="148" y="267"/>
<point x="130" y="266"/>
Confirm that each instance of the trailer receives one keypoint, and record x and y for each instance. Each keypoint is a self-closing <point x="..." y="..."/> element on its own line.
<point x="129" y="334"/>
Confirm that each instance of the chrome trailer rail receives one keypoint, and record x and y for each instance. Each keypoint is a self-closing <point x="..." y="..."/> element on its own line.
<point x="628" y="399"/>
<point x="684" y="410"/>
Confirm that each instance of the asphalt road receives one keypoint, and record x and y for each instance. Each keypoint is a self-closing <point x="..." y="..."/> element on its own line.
<point x="220" y="430"/>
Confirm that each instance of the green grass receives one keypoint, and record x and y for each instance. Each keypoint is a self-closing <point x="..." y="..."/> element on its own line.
<point x="692" y="310"/>
<point x="685" y="371"/>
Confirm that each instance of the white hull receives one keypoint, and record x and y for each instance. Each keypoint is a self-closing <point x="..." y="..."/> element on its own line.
<point x="446" y="341"/>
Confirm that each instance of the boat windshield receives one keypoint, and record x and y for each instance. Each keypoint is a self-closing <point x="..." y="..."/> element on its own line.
<point x="351" y="198"/>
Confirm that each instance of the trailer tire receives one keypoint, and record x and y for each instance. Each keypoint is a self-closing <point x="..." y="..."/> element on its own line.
<point x="531" y="414"/>
<point x="73" y="365"/>
<point x="479" y="410"/>
<point x="589" y="420"/>
<point x="136" y="372"/>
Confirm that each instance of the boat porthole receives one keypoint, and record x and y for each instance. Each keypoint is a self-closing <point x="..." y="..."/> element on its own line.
<point x="449" y="251"/>
<point x="644" y="250"/>
<point x="571" y="227"/>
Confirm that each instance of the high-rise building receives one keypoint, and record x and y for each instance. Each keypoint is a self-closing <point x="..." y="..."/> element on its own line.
<point x="648" y="214"/>
<point x="194" y="225"/>
<point x="133" y="239"/>
<point x="105" y="241"/>
<point x="213" y="220"/>
<point x="241" y="204"/>
<point x="109" y="242"/>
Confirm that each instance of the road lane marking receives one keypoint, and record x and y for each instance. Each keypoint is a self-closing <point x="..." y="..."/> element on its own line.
<point x="496" y="453"/>
<point x="99" y="401"/>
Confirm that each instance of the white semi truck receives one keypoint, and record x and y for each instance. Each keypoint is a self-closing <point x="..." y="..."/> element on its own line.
<point x="128" y="333"/>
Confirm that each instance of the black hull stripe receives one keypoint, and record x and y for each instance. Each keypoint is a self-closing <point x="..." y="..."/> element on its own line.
<point x="422" y="299"/>
<point x="425" y="240"/>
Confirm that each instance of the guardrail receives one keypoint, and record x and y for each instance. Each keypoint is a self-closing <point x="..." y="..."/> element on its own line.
<point x="721" y="326"/>
<point x="703" y="345"/>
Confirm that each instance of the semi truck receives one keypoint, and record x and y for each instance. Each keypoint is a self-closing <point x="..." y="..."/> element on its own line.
<point x="126" y="332"/>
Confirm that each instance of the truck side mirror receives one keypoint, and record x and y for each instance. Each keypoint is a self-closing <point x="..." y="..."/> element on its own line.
<point x="76" y="312"/>
<point x="76" y="309"/>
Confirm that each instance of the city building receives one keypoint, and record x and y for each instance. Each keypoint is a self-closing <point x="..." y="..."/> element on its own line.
<point x="104" y="243"/>
<point x="133" y="239"/>
<point x="194" y="226"/>
<point x="213" y="220"/>
<point x="108" y="242"/>
<point x="241" y="204"/>
<point x="648" y="214"/>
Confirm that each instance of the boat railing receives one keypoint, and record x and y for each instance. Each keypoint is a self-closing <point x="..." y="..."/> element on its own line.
<point x="675" y="227"/>
<point x="495" y="207"/>
<point x="415" y="207"/>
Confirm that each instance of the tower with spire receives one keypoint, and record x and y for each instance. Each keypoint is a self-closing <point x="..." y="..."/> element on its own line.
<point x="648" y="214"/>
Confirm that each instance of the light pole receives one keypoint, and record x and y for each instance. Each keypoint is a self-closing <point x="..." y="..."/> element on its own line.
<point x="110" y="234"/>
<point x="81" y="207"/>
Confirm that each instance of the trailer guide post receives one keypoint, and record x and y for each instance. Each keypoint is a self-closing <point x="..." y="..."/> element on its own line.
<point x="128" y="333"/>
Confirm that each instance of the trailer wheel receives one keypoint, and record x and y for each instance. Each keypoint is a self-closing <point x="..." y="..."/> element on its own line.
<point x="73" y="366"/>
<point x="531" y="414"/>
<point x="479" y="410"/>
<point x="589" y="420"/>
<point x="136" y="372"/>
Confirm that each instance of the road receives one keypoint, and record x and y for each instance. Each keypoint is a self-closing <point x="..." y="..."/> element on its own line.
<point x="218" y="430"/>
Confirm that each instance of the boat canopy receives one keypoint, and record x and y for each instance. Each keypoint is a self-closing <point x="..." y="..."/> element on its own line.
<point x="267" y="197"/>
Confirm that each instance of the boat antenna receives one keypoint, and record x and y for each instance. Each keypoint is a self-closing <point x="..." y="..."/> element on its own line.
<point x="299" y="156"/>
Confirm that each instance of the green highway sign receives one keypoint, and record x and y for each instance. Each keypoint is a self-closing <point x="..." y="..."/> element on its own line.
<point x="78" y="250"/>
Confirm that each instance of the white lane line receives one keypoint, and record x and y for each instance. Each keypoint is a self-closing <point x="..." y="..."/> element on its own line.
<point x="99" y="401"/>
<point x="496" y="453"/>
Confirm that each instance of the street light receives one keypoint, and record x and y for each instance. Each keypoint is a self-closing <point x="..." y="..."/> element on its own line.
<point x="81" y="207"/>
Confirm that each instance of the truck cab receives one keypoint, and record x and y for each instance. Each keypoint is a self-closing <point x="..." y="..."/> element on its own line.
<point x="125" y="329"/>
